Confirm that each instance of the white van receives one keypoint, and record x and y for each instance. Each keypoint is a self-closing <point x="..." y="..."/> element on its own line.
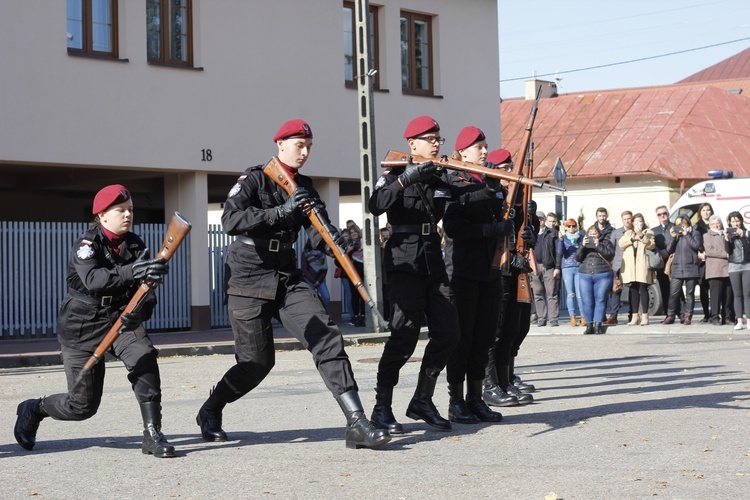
<point x="725" y="194"/>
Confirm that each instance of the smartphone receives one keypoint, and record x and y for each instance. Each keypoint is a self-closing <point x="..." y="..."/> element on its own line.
<point x="731" y="230"/>
<point x="590" y="244"/>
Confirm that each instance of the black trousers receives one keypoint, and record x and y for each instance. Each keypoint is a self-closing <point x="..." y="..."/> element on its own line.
<point x="676" y="294"/>
<point x="138" y="354"/>
<point x="412" y="298"/>
<point x="721" y="299"/>
<point x="513" y="325"/>
<point x="476" y="302"/>
<point x="302" y="313"/>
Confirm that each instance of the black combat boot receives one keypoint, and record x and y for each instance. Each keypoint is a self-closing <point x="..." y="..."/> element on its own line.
<point x="493" y="395"/>
<point x="382" y="413"/>
<point x="457" y="410"/>
<point x="516" y="380"/>
<point x="154" y="442"/>
<point x="30" y="413"/>
<point x="476" y="404"/>
<point x="506" y="384"/>
<point x="421" y="406"/>
<point x="599" y="329"/>
<point x="360" y="432"/>
<point x="209" y="418"/>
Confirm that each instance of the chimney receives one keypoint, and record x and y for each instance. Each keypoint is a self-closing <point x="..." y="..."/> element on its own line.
<point x="549" y="89"/>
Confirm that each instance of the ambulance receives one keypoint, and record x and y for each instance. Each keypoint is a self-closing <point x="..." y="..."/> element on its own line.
<point x="723" y="191"/>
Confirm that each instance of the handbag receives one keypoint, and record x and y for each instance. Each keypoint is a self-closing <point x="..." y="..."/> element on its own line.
<point x="616" y="281"/>
<point x="654" y="260"/>
<point x="337" y="273"/>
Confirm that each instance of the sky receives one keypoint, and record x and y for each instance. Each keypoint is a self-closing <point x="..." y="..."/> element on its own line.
<point x="550" y="38"/>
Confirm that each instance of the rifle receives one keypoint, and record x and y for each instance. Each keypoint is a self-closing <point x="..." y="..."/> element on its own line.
<point x="502" y="252"/>
<point x="280" y="176"/>
<point x="394" y="159"/>
<point x="524" y="291"/>
<point x="178" y="229"/>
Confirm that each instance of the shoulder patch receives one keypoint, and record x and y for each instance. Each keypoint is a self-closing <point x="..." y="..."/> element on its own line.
<point x="380" y="183"/>
<point x="85" y="251"/>
<point x="235" y="189"/>
<point x="86" y="242"/>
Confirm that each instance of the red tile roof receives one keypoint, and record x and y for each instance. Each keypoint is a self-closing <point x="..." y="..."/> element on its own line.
<point x="674" y="132"/>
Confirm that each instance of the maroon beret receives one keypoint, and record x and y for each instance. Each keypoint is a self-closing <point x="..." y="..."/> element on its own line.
<point x="468" y="136"/>
<point x="108" y="196"/>
<point x="499" y="156"/>
<point x="293" y="128"/>
<point x="421" y="125"/>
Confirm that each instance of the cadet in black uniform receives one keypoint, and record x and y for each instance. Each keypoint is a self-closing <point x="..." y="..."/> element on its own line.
<point x="501" y="387"/>
<point x="472" y="230"/>
<point x="105" y="268"/>
<point x="263" y="281"/>
<point x="414" y="199"/>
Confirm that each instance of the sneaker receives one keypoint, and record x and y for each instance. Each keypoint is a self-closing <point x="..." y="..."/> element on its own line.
<point x="541" y="322"/>
<point x="554" y="323"/>
<point x="738" y="326"/>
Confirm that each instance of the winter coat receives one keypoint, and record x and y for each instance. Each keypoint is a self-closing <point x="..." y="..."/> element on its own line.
<point x="596" y="260"/>
<point x="717" y="259"/>
<point x="685" y="249"/>
<point x="634" y="263"/>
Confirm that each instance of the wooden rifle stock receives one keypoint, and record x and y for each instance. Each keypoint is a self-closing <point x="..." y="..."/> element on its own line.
<point x="276" y="172"/>
<point x="178" y="229"/>
<point x="395" y="159"/>
<point x="502" y="252"/>
<point x="524" y="290"/>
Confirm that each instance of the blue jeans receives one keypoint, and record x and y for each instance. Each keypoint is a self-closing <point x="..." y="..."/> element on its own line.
<point x="322" y="290"/>
<point x="594" y="293"/>
<point x="572" y="290"/>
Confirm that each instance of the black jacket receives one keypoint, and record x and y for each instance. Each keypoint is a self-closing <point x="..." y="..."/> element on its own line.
<point x="255" y="270"/>
<point x="546" y="248"/>
<point x="468" y="253"/>
<point x="738" y="249"/>
<point x="596" y="260"/>
<point x="685" y="249"/>
<point x="100" y="285"/>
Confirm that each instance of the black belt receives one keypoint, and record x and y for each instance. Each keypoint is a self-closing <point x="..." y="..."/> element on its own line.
<point x="272" y="245"/>
<point x="103" y="301"/>
<point x="423" y="229"/>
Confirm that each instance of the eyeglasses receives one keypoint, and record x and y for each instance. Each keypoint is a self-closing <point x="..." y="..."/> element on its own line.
<point x="433" y="140"/>
<point x="663" y="214"/>
<point x="571" y="225"/>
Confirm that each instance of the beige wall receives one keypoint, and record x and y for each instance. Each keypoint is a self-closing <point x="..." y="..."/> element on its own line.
<point x="262" y="62"/>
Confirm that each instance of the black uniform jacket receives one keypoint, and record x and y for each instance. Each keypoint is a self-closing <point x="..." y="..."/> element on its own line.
<point x="468" y="253"/>
<point x="255" y="270"/>
<point x="100" y="284"/>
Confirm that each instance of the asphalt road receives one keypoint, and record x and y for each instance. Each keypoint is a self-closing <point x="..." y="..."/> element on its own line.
<point x="636" y="415"/>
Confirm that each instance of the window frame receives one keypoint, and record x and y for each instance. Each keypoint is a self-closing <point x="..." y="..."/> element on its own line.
<point x="411" y="18"/>
<point x="164" y="39"/>
<point x="87" y="22"/>
<point x="375" y="49"/>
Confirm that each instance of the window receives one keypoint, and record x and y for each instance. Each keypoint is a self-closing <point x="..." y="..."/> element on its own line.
<point x="92" y="27"/>
<point x="169" y="31"/>
<point x="350" y="40"/>
<point x="416" y="53"/>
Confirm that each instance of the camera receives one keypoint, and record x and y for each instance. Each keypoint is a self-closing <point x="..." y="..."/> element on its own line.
<point x="731" y="231"/>
<point x="590" y="244"/>
<point x="679" y="230"/>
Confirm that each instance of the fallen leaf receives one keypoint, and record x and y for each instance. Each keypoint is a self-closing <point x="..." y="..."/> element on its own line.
<point x="551" y="496"/>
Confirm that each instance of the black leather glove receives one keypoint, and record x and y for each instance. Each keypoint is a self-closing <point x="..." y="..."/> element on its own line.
<point x="338" y="239"/>
<point x="417" y="173"/>
<point x="297" y="199"/>
<point x="527" y="233"/>
<point x="531" y="207"/>
<point x="501" y="228"/>
<point x="489" y="164"/>
<point x="153" y="269"/>
<point x="493" y="184"/>
<point x="520" y="263"/>
<point x="131" y="321"/>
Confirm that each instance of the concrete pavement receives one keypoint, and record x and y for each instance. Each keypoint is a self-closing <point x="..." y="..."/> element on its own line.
<point x="642" y="412"/>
